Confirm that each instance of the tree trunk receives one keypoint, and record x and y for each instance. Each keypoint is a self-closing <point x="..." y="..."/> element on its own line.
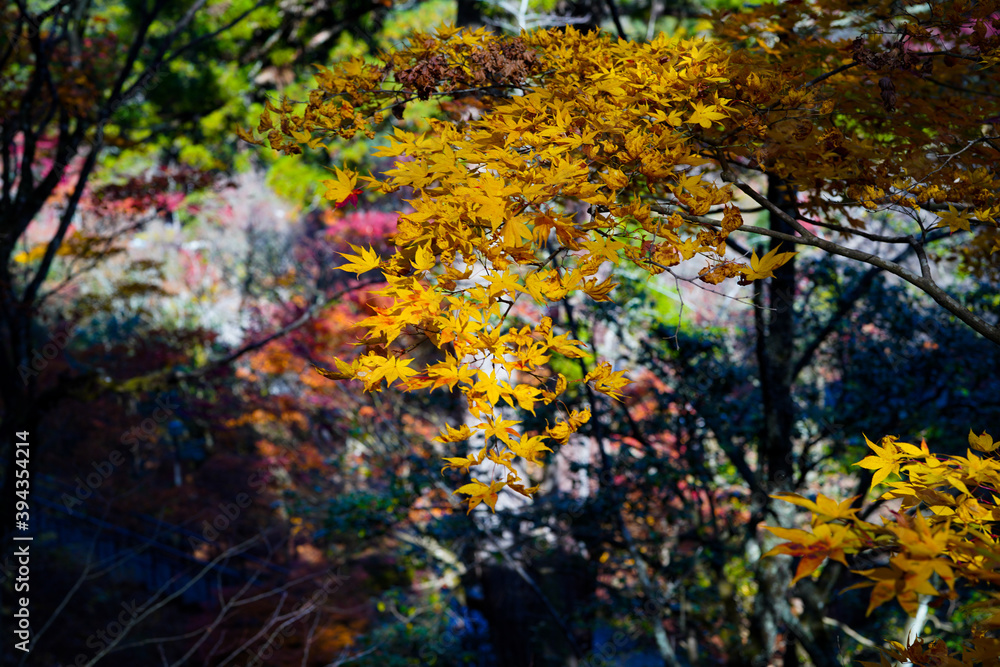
<point x="507" y="601"/>
<point x="774" y="318"/>
<point x="469" y="14"/>
<point x="775" y="328"/>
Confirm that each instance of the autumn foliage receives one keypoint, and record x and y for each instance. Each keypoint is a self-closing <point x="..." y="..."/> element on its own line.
<point x="605" y="156"/>
<point x="485" y="231"/>
<point x="944" y="534"/>
<point x="561" y="154"/>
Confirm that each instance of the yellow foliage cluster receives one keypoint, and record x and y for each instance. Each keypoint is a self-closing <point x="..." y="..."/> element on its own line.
<point x="569" y="153"/>
<point x="945" y="530"/>
<point x="488" y="223"/>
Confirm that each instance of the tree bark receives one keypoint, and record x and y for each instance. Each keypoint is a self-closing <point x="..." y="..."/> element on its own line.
<point x="775" y="329"/>
<point x="469" y="14"/>
<point x="774" y="319"/>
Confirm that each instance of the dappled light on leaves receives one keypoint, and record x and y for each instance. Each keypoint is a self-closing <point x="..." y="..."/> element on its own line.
<point x="587" y="153"/>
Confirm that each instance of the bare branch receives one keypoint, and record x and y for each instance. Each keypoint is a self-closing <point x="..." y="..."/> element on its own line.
<point x="948" y="302"/>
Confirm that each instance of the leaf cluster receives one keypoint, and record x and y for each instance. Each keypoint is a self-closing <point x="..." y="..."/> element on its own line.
<point x="945" y="530"/>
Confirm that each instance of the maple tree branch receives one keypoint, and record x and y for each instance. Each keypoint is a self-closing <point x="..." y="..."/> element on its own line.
<point x="160" y="640"/>
<point x="925" y="283"/>
<point x="722" y="435"/>
<point x="827" y="75"/>
<point x="32" y="93"/>
<point x="31" y="291"/>
<point x="928" y="54"/>
<point x="844" y="306"/>
<point x="207" y="36"/>
<point x="288" y="328"/>
<point x="850" y="632"/>
<point x="309" y="640"/>
<point x="31" y="198"/>
<point x="822" y="77"/>
<point x="344" y="658"/>
<point x="803" y="636"/>
<point x="88" y="565"/>
<point x="435" y="549"/>
<point x="945" y="84"/>
<point x="617" y="20"/>
<point x="133" y="54"/>
<point x="662" y="642"/>
<point x="217" y="621"/>
<point x="878" y="238"/>
<point x="597" y="430"/>
<point x="8" y="165"/>
<point x="236" y="600"/>
<point x="925" y="269"/>
<point x="95" y="258"/>
<point x="156" y="604"/>
<point x="772" y="208"/>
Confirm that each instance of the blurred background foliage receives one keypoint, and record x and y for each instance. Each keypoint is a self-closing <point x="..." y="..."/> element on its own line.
<point x="177" y="328"/>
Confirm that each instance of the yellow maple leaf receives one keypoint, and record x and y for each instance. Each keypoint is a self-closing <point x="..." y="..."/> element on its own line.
<point x="954" y="220"/>
<point x="500" y="428"/>
<point x="390" y="368"/>
<point x="528" y="492"/>
<point x="982" y="443"/>
<point x="490" y="387"/>
<point x="606" y="248"/>
<point x="565" y="346"/>
<point x="450" y="373"/>
<point x="691" y="183"/>
<point x="343" y="187"/>
<point x="561" y="431"/>
<point x="503" y="283"/>
<point x="826" y="541"/>
<point x="364" y="261"/>
<point x="455" y="434"/>
<point x="344" y="371"/>
<point x="704" y="114"/>
<point x="463" y="464"/>
<point x="515" y="230"/>
<point x="424" y="259"/>
<point x="606" y="381"/>
<point x="889" y="583"/>
<point x="763" y="267"/>
<point x="526" y="396"/>
<point x="883" y="463"/>
<point x="479" y="492"/>
<point x="824" y="507"/>
<point x="529" y="448"/>
<point x="536" y="286"/>
<point x="599" y="291"/>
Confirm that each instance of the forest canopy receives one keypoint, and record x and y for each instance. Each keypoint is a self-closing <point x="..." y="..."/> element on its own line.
<point x="583" y="150"/>
<point x="477" y="332"/>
